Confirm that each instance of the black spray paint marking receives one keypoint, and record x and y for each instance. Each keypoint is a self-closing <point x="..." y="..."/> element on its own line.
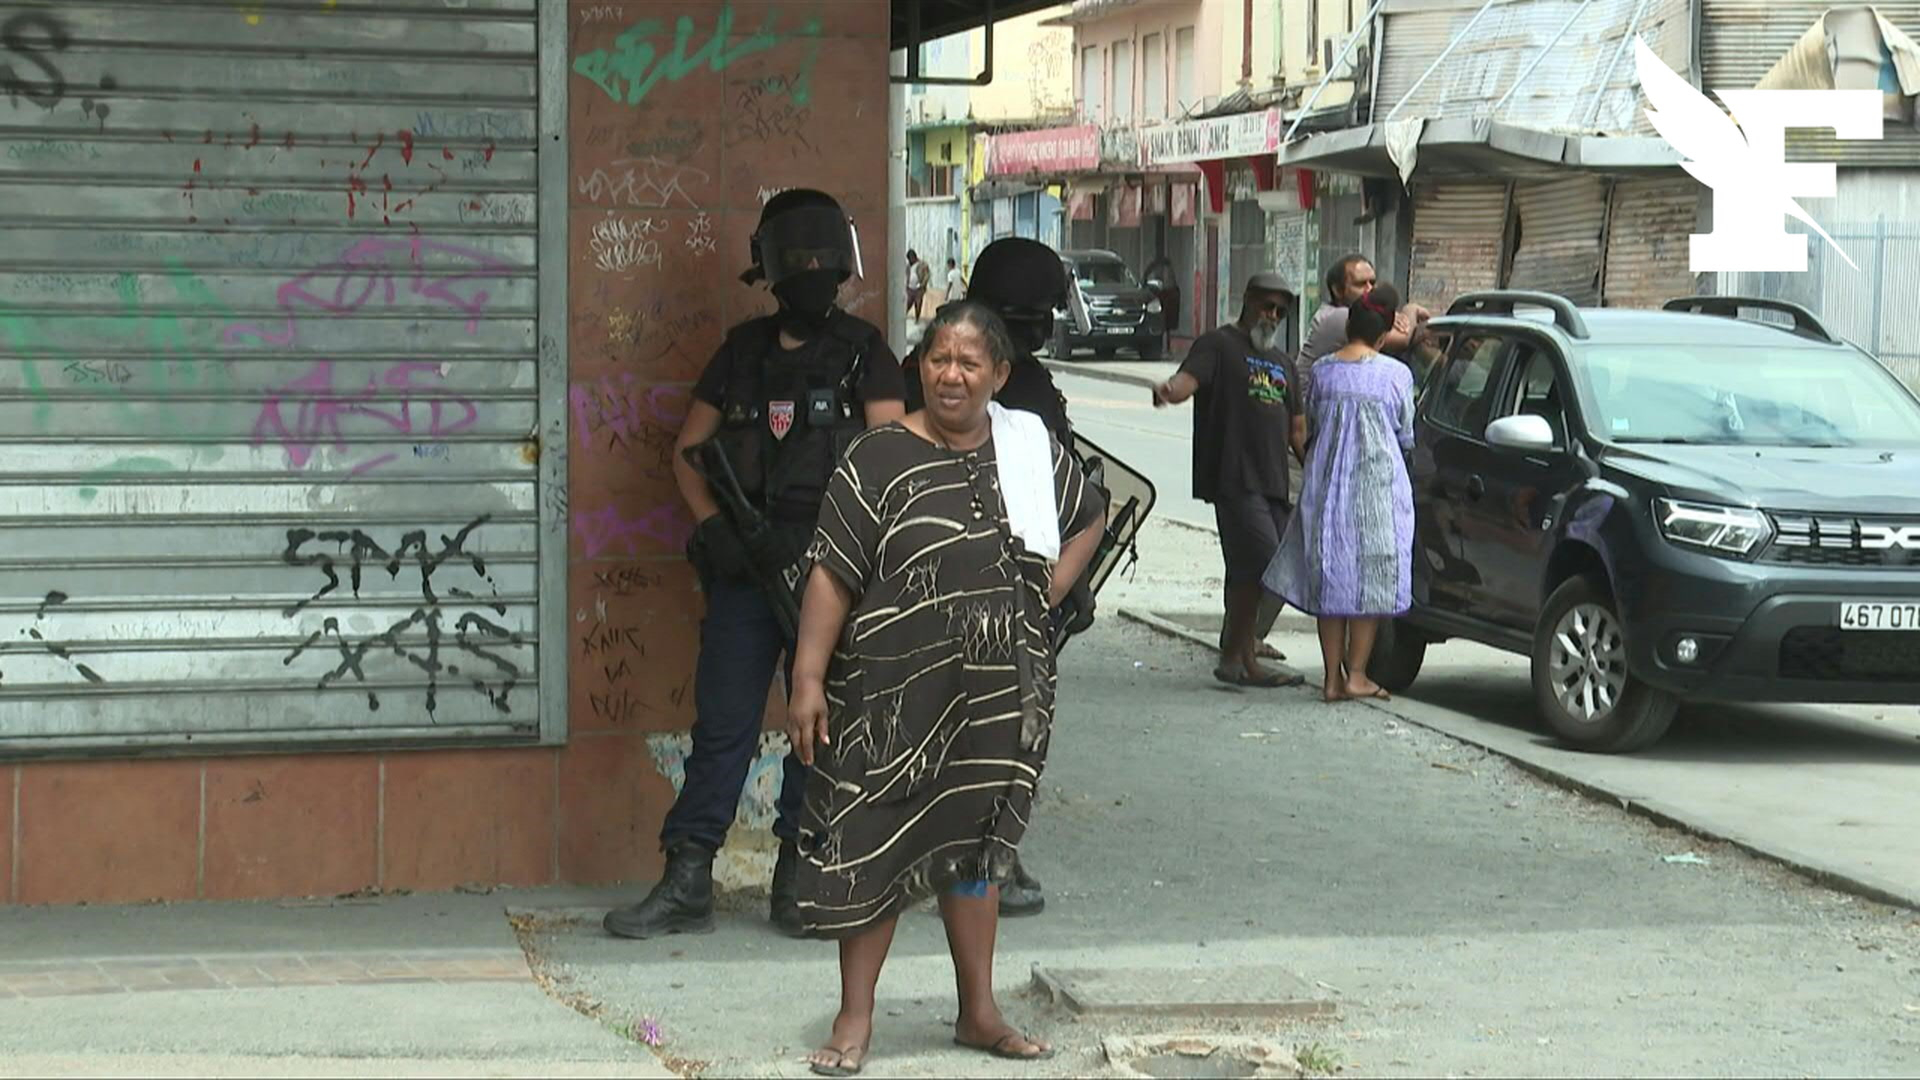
<point x="472" y="632"/>
<point x="357" y="546"/>
<point x="28" y="37"/>
<point x="53" y="648"/>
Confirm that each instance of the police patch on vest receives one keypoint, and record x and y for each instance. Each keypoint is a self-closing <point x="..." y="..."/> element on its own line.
<point x="780" y="418"/>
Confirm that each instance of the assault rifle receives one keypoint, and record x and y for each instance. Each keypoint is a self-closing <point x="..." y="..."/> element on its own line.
<point x="757" y="535"/>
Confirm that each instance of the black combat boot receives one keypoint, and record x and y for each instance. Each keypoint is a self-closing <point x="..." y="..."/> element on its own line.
<point x="786" y="891"/>
<point x="682" y="903"/>
<point x="1021" y="896"/>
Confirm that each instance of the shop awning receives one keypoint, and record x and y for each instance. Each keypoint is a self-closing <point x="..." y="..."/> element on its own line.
<point x="1468" y="146"/>
<point x="938" y="18"/>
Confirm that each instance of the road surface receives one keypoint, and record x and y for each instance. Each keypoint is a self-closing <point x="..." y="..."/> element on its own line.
<point x="1835" y="789"/>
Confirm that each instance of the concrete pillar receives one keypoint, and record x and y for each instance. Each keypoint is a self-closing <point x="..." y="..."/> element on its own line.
<point x="673" y="157"/>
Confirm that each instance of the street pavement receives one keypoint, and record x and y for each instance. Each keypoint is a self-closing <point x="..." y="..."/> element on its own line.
<point x="1828" y="789"/>
<point x="1460" y="916"/>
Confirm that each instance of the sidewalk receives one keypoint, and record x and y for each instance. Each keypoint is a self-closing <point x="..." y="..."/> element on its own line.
<point x="421" y="985"/>
<point x="1145" y="373"/>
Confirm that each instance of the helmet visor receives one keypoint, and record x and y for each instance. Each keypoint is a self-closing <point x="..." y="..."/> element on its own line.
<point x="810" y="238"/>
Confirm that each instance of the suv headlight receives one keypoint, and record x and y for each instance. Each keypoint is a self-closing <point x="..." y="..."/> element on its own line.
<point x="1730" y="530"/>
<point x="1153" y="306"/>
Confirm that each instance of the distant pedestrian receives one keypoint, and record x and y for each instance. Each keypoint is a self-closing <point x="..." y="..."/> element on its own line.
<point x="1347" y="555"/>
<point x="956" y="282"/>
<point x="1244" y="423"/>
<point x="918" y="273"/>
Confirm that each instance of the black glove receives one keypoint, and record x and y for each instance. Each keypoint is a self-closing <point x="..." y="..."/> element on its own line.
<point x="716" y="551"/>
<point x="770" y="550"/>
<point x="1082" y="597"/>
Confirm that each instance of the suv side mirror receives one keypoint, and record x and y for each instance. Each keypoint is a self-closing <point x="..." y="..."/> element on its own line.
<point x="1526" y="432"/>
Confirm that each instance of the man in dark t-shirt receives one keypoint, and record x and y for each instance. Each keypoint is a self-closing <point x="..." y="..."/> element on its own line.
<point x="1245" y="423"/>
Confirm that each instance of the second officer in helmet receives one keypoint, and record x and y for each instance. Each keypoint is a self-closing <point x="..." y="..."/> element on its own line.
<point x="781" y="400"/>
<point x="1024" y="282"/>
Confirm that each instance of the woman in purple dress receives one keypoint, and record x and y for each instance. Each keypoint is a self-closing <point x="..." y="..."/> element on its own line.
<point x="1347" y="556"/>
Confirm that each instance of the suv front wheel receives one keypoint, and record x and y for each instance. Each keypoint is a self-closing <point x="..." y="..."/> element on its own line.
<point x="1581" y="683"/>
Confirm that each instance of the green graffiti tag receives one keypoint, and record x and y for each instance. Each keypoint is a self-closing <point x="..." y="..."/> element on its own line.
<point x="177" y="339"/>
<point x="632" y="61"/>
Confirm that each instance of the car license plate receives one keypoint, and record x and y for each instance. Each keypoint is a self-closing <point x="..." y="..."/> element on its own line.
<point x="1887" y="615"/>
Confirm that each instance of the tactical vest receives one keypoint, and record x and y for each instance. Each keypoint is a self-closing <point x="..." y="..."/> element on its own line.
<point x="789" y="418"/>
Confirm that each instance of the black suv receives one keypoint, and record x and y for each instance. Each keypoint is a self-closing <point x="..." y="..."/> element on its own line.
<point x="1716" y="501"/>
<point x="1109" y="310"/>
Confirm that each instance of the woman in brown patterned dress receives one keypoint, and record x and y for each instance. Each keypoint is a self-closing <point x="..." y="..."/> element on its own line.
<point x="923" y="678"/>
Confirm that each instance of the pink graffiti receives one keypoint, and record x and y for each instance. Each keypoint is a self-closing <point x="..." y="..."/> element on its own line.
<point x="606" y="529"/>
<point x="368" y="271"/>
<point x="319" y="411"/>
<point x="625" y="408"/>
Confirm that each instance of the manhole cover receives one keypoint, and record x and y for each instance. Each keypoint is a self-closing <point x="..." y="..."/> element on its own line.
<point x="1251" y="992"/>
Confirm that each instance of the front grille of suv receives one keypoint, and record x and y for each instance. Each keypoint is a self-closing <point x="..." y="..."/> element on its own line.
<point x="1118" y="314"/>
<point x="1828" y="653"/>
<point x="1833" y="540"/>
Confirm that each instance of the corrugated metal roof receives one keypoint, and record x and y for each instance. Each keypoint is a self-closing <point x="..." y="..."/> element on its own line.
<point x="1559" y="94"/>
<point x="1742" y="41"/>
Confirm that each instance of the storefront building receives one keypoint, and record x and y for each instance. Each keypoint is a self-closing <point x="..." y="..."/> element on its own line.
<point x="339" y="546"/>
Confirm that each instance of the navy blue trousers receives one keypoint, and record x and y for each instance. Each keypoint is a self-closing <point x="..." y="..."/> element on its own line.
<point x="740" y="645"/>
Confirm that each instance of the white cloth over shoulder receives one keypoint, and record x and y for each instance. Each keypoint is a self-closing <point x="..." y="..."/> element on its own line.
<point x="1025" y="457"/>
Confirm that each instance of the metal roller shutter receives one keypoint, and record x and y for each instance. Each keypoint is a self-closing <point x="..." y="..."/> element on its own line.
<point x="1744" y="39"/>
<point x="1458" y="236"/>
<point x="1559" y="227"/>
<point x="273" y="387"/>
<point x="1648" y="244"/>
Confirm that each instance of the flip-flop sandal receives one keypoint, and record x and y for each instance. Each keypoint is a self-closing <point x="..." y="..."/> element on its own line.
<point x="999" y="1048"/>
<point x="1274" y="681"/>
<point x="840" y="1066"/>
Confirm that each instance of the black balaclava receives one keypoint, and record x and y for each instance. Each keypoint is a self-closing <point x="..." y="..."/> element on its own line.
<point x="1029" y="334"/>
<point x="806" y="301"/>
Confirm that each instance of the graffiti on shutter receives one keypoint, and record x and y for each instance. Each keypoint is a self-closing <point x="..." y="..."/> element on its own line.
<point x="271" y="375"/>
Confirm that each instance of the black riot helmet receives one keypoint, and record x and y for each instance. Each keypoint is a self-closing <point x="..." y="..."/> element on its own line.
<point x="802" y="229"/>
<point x="1024" y="281"/>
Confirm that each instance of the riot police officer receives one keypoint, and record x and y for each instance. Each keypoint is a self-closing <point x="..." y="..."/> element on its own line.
<point x="1024" y="282"/>
<point x="781" y="399"/>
